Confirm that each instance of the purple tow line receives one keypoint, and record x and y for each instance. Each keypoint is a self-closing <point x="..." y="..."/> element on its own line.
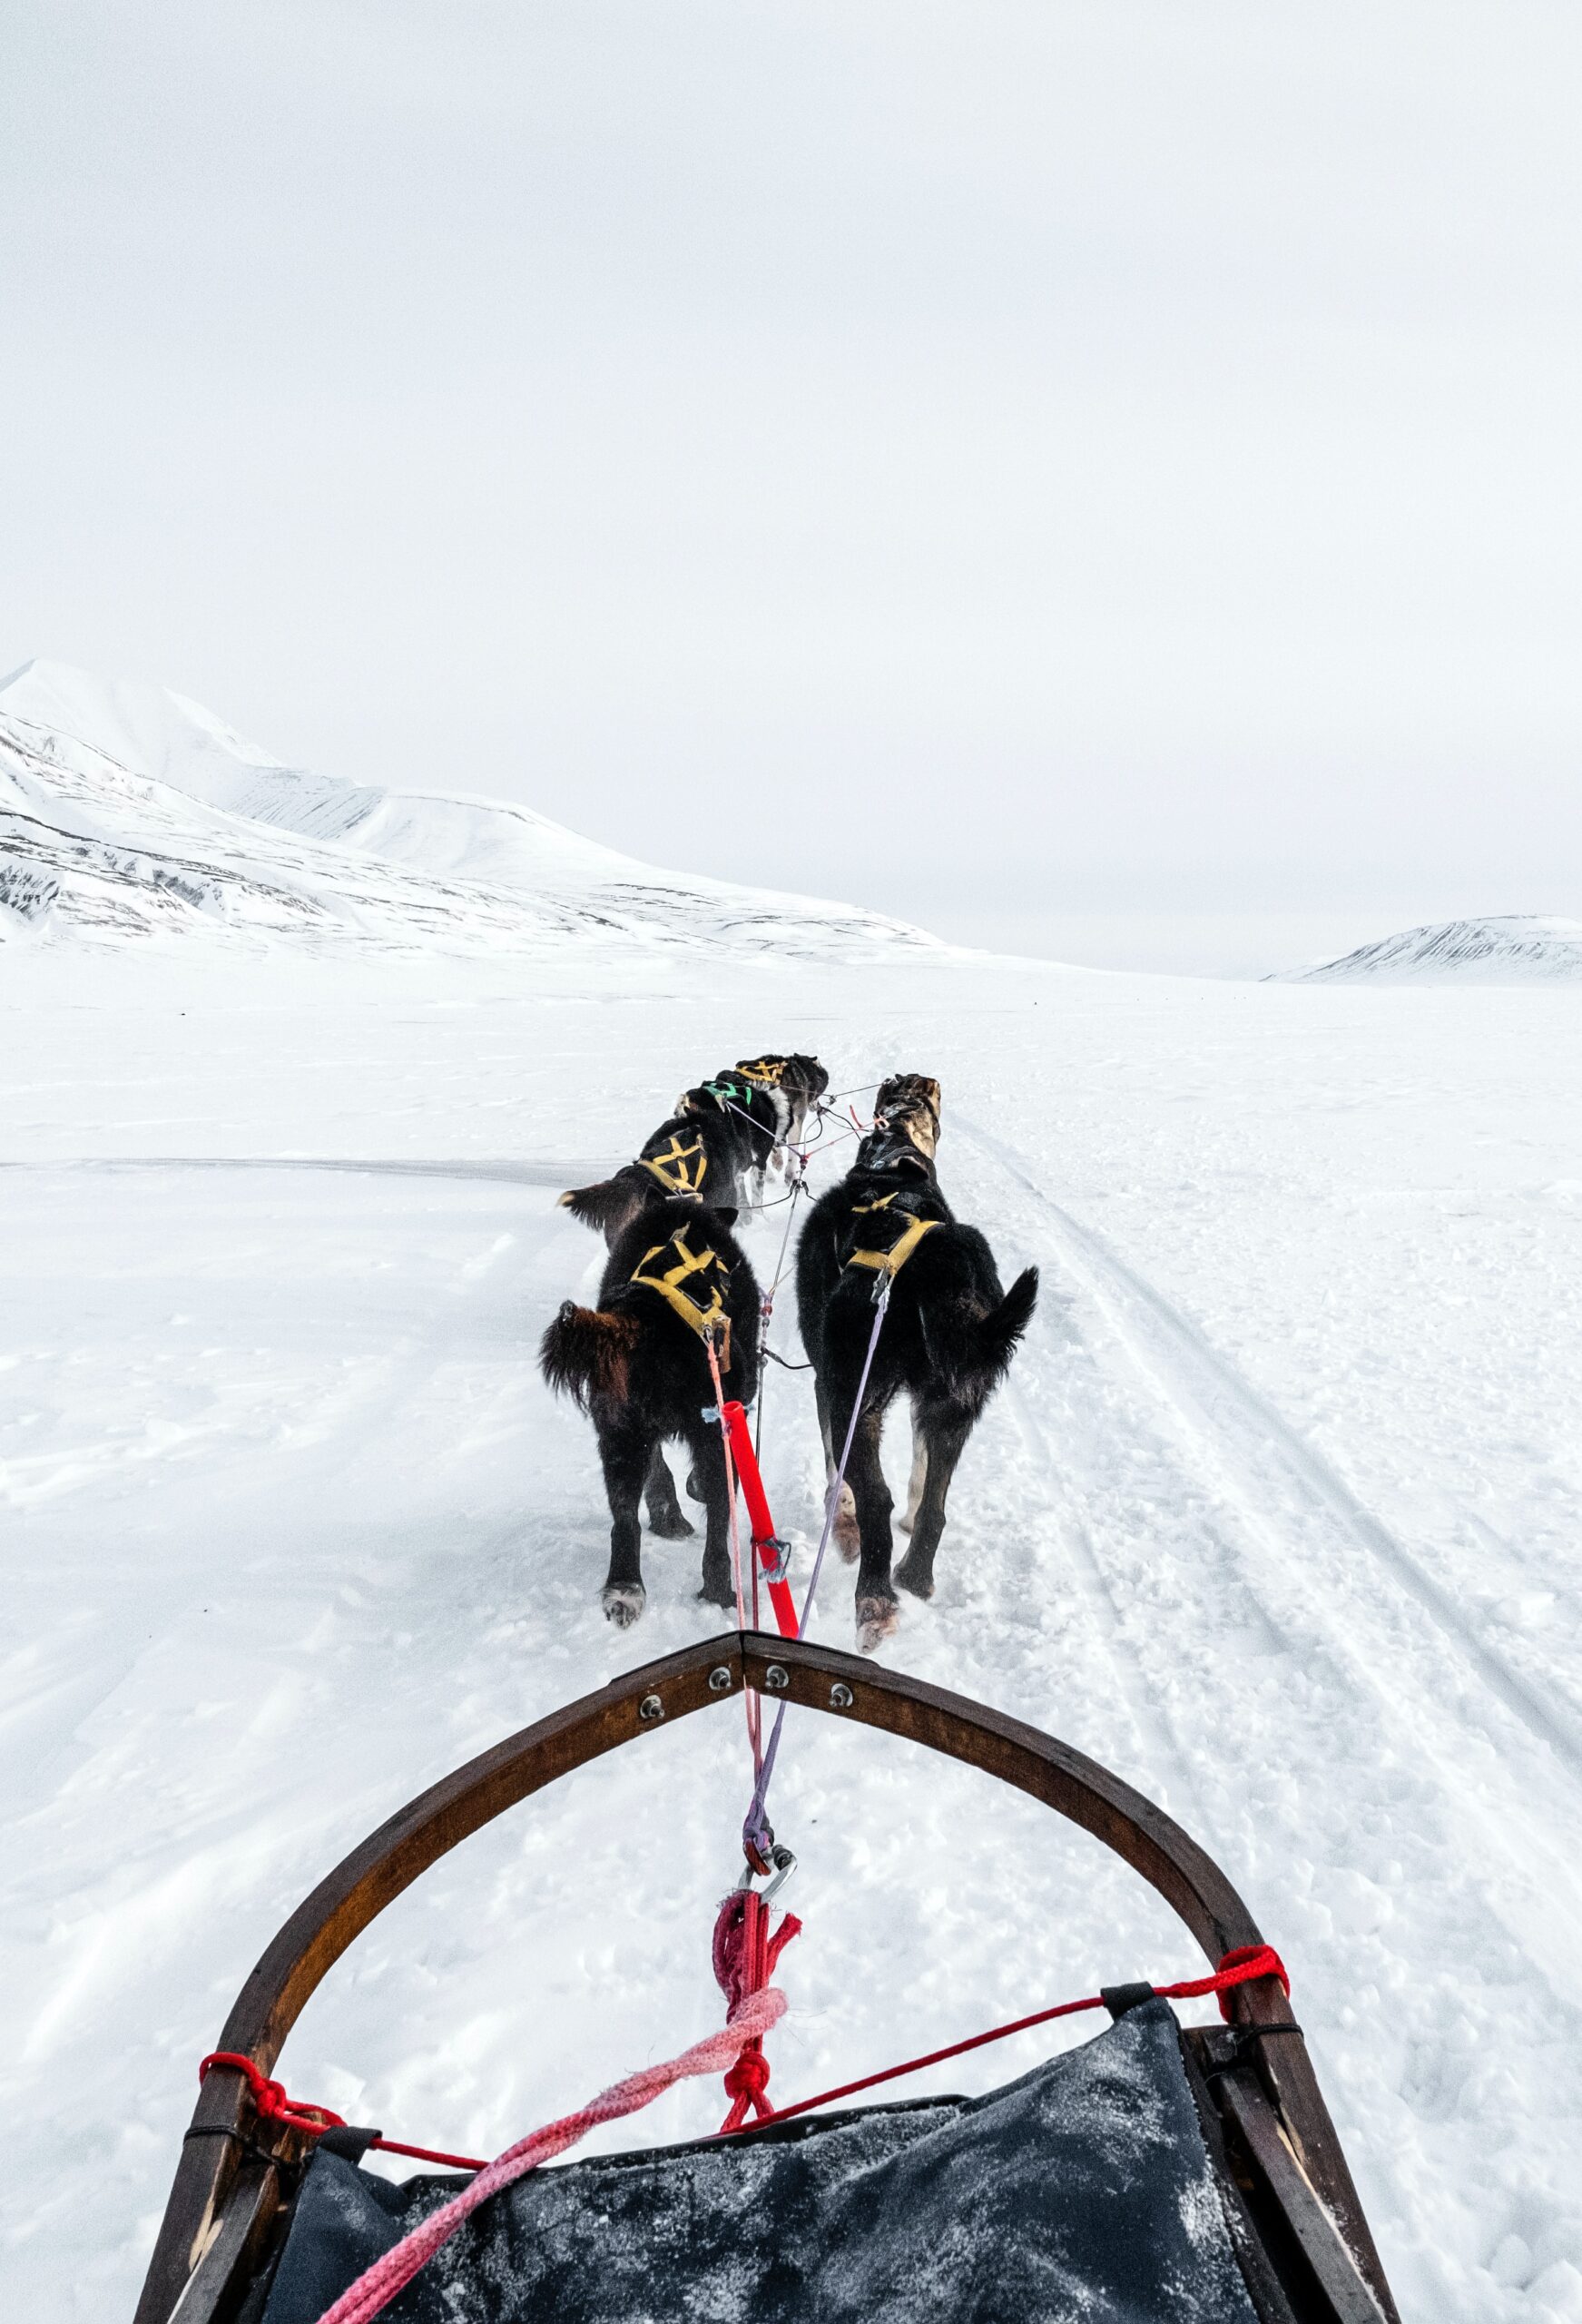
<point x="756" y="1836"/>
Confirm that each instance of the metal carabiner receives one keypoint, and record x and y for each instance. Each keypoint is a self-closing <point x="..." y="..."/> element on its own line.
<point x="782" y="1863"/>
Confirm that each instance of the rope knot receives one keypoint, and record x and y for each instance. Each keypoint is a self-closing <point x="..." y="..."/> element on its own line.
<point x="747" y="2081"/>
<point x="269" y="2098"/>
<point x="744" y="1958"/>
<point x="1244" y="1963"/>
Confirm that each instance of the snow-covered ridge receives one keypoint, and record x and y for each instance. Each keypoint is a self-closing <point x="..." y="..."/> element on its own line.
<point x="127" y="812"/>
<point x="1509" y="948"/>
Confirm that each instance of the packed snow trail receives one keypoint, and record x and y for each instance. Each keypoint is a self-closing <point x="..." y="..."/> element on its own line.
<point x="1213" y="1398"/>
<point x="1259" y="1573"/>
<point x="293" y="1529"/>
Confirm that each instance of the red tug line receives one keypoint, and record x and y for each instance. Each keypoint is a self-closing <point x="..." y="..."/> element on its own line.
<point x="765" y="1541"/>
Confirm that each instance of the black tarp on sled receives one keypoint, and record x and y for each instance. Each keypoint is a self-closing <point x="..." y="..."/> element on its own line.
<point x="1083" y="2190"/>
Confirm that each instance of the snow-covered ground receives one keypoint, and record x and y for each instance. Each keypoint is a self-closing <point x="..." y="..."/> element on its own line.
<point x="1279" y="1516"/>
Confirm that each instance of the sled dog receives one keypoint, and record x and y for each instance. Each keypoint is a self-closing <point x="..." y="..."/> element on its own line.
<point x="713" y="1149"/>
<point x="636" y="1365"/>
<point x="948" y="1334"/>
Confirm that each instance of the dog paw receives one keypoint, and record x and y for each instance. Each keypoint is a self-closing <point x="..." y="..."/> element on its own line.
<point x="624" y="1602"/>
<point x="876" y="1618"/>
<point x="718" y="1593"/>
<point x="669" y="1525"/>
<point x="910" y="1576"/>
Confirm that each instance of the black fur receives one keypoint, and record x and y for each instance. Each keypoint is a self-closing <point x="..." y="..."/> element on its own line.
<point x="792" y="1084"/>
<point x="909" y="1103"/>
<point x="947" y="1341"/>
<point x="731" y="1125"/>
<point x="639" y="1370"/>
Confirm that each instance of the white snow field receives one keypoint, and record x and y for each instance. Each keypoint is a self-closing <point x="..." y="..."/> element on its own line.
<point x="1279" y="1516"/>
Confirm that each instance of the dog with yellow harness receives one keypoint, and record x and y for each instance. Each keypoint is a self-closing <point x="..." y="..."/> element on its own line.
<point x="784" y="1090"/>
<point x="947" y="1338"/>
<point x="677" y="1285"/>
<point x="713" y="1149"/>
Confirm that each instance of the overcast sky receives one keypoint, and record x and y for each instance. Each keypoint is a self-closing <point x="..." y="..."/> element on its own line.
<point x="1065" y="459"/>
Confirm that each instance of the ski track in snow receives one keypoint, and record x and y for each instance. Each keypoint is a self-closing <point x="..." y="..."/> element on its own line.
<point x="558" y="1175"/>
<point x="1215" y="1401"/>
<point x="1257" y="1465"/>
<point x="1303" y="1570"/>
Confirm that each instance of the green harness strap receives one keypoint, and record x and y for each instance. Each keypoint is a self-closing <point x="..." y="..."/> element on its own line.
<point x="726" y="1092"/>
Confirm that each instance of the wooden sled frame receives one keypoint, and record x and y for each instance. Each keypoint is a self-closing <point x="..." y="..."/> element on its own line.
<point x="1303" y="2242"/>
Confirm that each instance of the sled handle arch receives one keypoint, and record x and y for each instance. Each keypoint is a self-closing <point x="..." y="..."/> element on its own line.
<point x="815" y="1678"/>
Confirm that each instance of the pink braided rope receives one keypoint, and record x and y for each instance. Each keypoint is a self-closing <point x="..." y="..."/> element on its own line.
<point x="379" y="2285"/>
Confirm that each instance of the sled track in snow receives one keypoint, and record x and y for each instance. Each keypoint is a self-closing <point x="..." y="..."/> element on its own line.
<point x="554" y="1175"/>
<point x="1157" y="1737"/>
<point x="1247" y="1436"/>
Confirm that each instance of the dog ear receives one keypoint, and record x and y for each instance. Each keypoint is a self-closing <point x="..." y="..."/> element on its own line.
<point x="726" y="1213"/>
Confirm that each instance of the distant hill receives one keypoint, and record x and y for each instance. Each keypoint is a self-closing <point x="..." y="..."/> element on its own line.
<point x="128" y="812"/>
<point x="1516" y="948"/>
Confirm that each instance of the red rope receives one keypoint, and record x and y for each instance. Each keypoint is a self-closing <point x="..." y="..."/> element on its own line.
<point x="378" y="2285"/>
<point x="763" y="1524"/>
<point x="749" y="1700"/>
<point x="744" y="1959"/>
<point x="1240" y="1967"/>
<point x="274" y="2106"/>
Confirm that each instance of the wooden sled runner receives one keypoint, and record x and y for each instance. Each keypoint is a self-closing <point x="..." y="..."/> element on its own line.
<point x="1292" y="2244"/>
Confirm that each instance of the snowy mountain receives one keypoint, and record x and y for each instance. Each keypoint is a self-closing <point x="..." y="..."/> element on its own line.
<point x="1511" y="949"/>
<point x="127" y="812"/>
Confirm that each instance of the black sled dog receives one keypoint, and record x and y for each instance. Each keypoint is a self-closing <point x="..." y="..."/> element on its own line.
<point x="636" y="1365"/>
<point x="715" y="1147"/>
<point x="792" y="1085"/>
<point x="947" y="1336"/>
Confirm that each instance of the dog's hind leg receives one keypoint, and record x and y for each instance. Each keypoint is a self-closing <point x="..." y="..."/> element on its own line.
<point x="625" y="1450"/>
<point x="877" y="1612"/>
<point x="941" y="1434"/>
<point x="845" y="1534"/>
<point x="708" y="1477"/>
<point x="666" y="1519"/>
<point x="920" y="1471"/>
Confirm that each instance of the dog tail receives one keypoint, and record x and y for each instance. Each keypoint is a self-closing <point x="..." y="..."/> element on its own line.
<point x="585" y="1352"/>
<point x="998" y="1331"/>
<point x="605" y="1208"/>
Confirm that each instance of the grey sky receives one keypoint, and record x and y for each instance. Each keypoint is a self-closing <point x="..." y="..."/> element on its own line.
<point x="1095" y="460"/>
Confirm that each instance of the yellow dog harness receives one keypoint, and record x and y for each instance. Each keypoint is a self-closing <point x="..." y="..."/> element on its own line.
<point x="892" y="1261"/>
<point x="714" y="1273"/>
<point x="673" y="1168"/>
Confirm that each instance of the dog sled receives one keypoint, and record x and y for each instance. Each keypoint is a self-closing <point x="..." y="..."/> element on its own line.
<point x="1156" y="2172"/>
